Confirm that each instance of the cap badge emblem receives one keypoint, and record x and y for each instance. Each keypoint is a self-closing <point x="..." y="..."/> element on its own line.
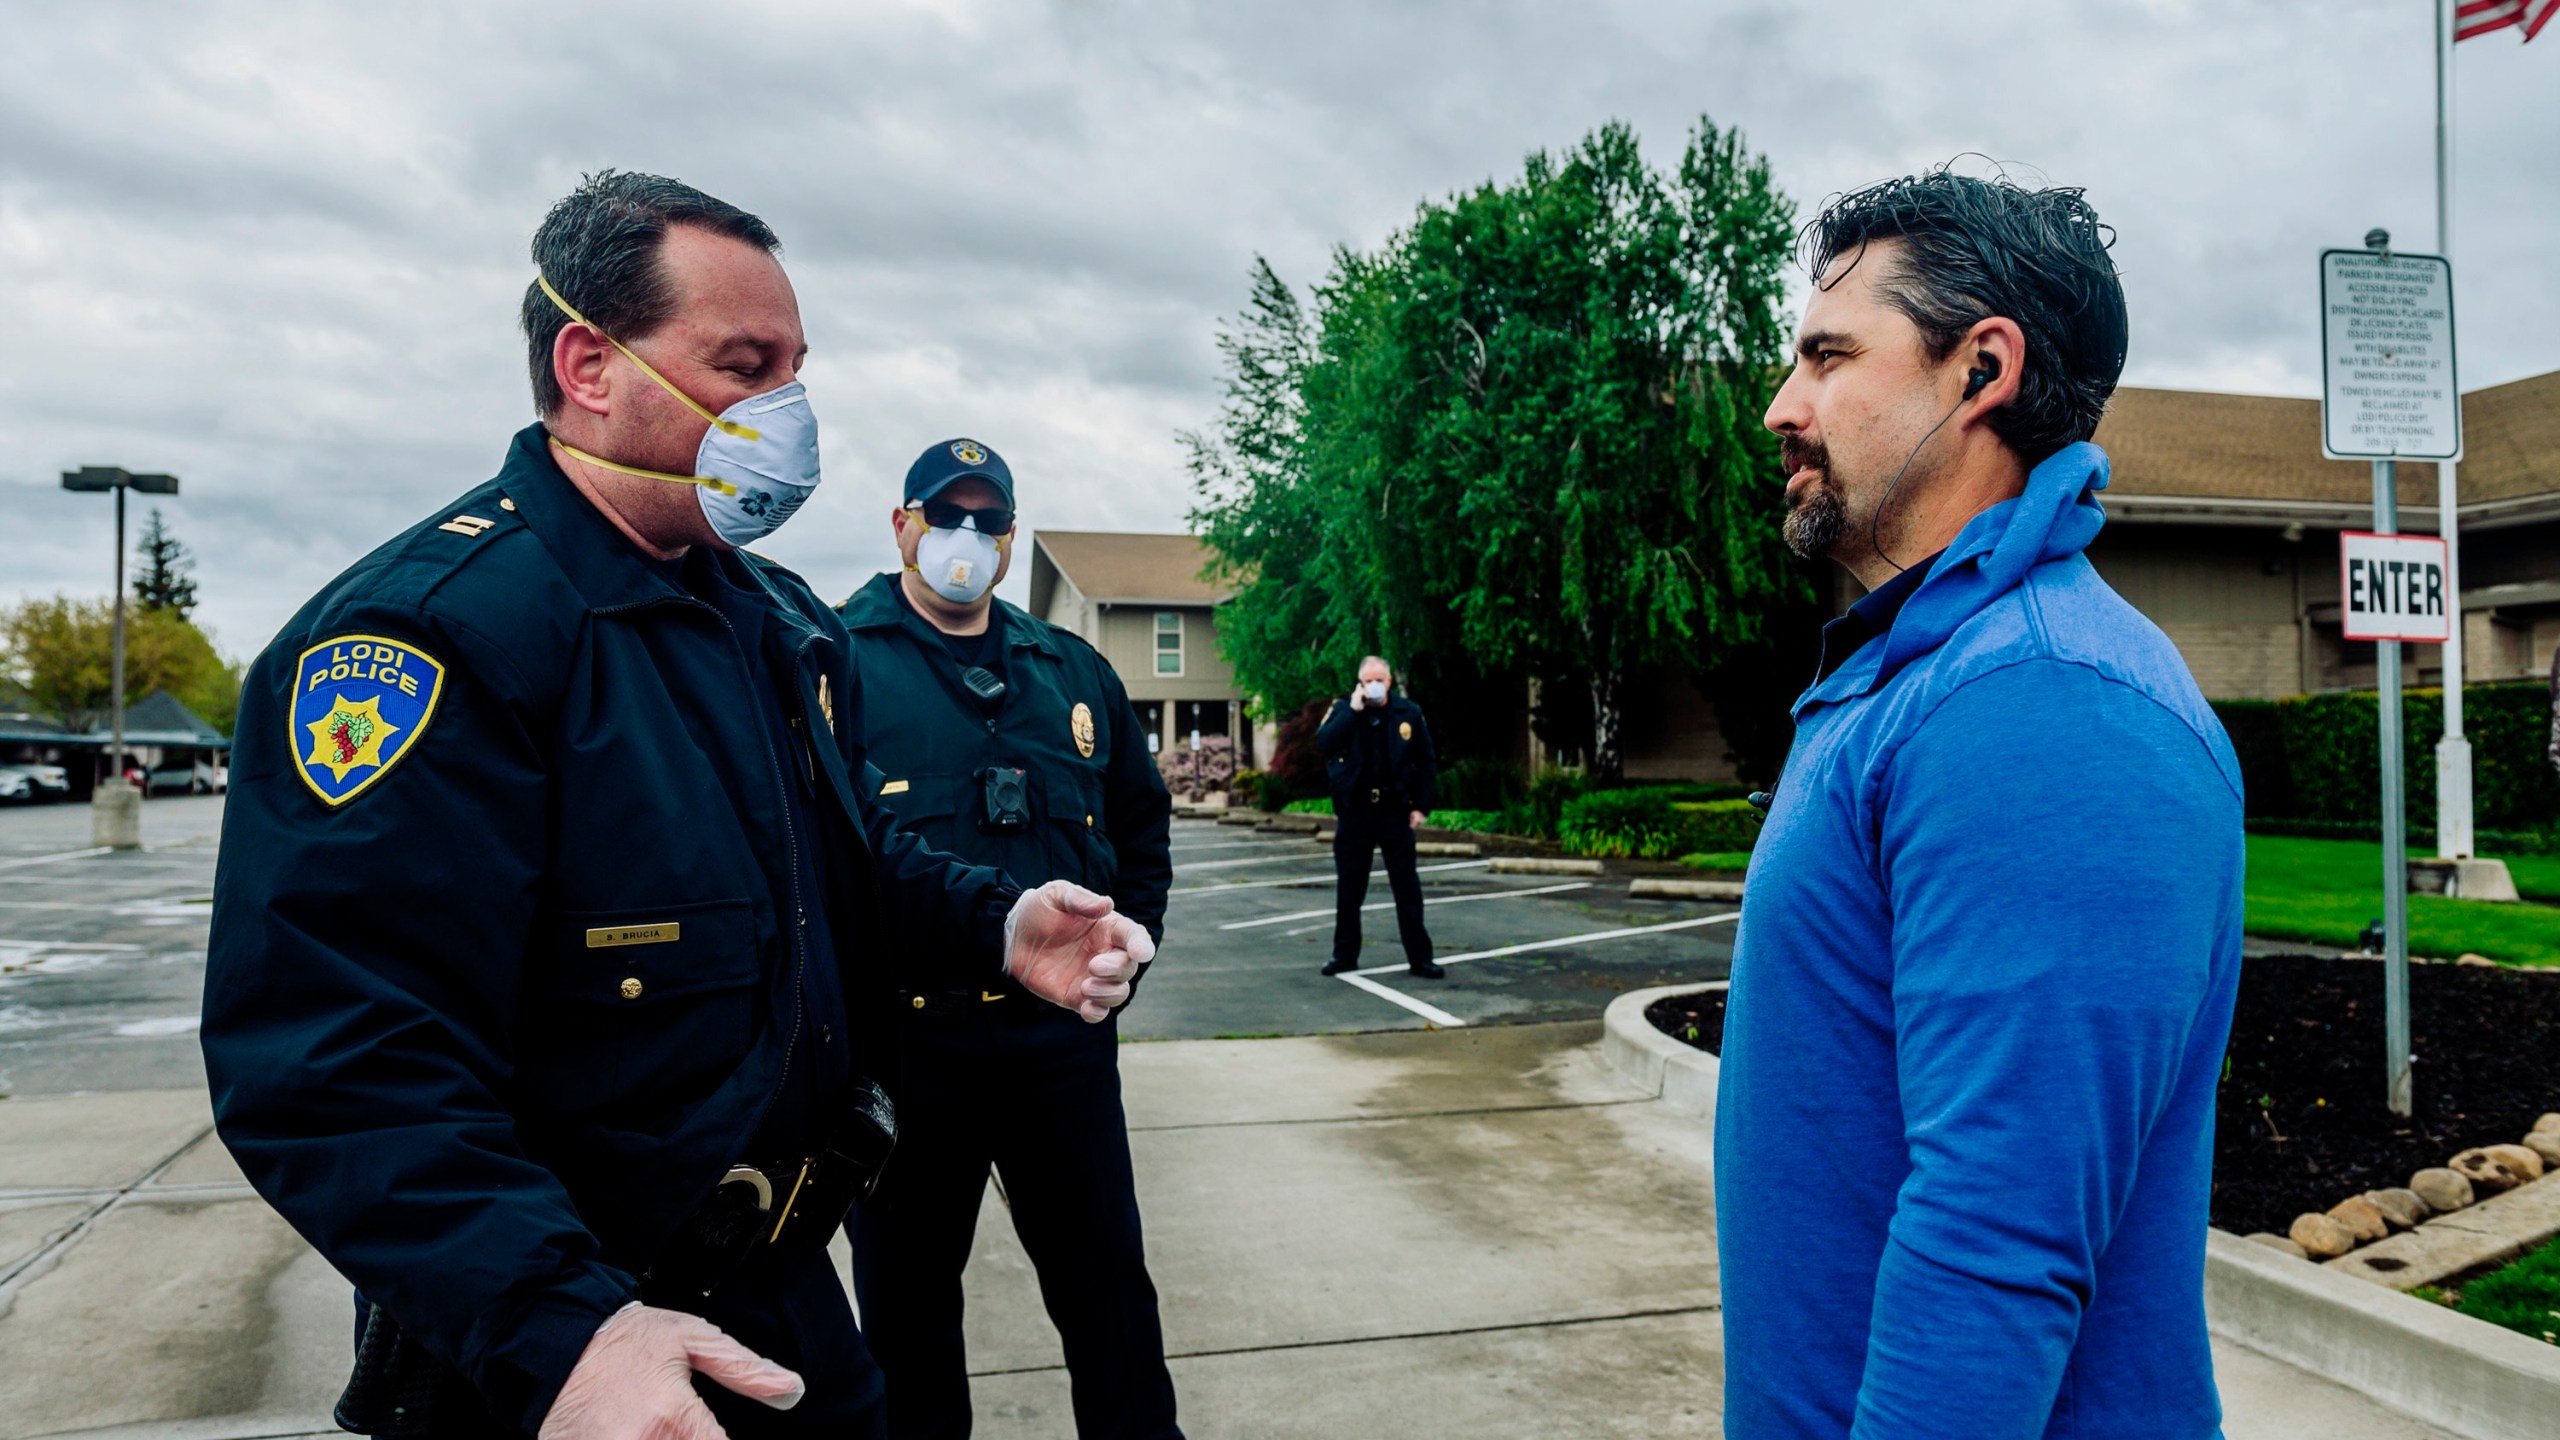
<point x="968" y="452"/>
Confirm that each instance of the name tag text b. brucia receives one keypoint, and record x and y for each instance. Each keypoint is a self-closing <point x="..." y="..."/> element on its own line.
<point x="662" y="932"/>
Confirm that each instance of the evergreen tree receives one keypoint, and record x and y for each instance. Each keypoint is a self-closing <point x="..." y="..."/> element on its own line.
<point x="166" y="578"/>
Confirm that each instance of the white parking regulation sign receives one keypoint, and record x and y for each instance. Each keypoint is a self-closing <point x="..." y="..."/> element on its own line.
<point x="2391" y="587"/>
<point x="2387" y="389"/>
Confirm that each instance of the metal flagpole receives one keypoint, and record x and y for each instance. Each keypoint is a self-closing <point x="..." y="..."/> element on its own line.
<point x="2453" y="752"/>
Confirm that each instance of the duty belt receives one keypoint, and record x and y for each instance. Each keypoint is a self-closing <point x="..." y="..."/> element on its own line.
<point x="794" y="1204"/>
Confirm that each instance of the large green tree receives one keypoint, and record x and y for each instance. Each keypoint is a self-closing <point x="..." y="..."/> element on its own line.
<point x="1522" y="439"/>
<point x="62" y="651"/>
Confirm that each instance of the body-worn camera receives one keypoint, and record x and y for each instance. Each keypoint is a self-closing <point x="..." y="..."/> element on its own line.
<point x="1007" y="792"/>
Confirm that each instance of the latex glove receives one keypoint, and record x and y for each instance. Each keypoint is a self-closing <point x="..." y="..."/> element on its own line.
<point x="1070" y="947"/>
<point x="634" y="1381"/>
<point x="1416" y="819"/>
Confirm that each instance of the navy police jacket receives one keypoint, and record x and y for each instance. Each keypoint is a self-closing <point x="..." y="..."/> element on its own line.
<point x="1410" y="758"/>
<point x="507" y="957"/>
<point x="1100" y="815"/>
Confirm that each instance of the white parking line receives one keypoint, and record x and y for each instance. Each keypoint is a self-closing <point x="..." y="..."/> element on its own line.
<point x="1691" y="924"/>
<point x="60" y="855"/>
<point x="1438" y="1016"/>
<point x="1324" y="879"/>
<point x="1390" y="904"/>
<point x="1432" y="1013"/>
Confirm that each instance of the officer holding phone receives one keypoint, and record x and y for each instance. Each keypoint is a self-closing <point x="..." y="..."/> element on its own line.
<point x="1012" y="744"/>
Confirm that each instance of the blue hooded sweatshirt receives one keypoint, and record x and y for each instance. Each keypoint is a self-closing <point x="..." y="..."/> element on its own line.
<point x="1981" y="989"/>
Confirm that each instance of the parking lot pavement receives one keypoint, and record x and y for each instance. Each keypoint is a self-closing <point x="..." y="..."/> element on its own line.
<point x="1251" y="923"/>
<point x="102" y="953"/>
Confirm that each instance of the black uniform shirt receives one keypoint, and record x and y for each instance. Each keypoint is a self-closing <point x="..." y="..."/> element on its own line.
<point x="817" y="1071"/>
<point x="1376" y="775"/>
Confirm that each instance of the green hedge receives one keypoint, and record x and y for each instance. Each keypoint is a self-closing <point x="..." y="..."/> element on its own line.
<point x="2329" y="746"/>
<point x="1656" y="822"/>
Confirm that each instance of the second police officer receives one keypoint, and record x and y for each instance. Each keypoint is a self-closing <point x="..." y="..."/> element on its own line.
<point x="1011" y="743"/>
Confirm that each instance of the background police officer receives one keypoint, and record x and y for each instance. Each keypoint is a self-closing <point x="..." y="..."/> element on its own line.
<point x="546" y="873"/>
<point x="1378" y="758"/>
<point x="1010" y="742"/>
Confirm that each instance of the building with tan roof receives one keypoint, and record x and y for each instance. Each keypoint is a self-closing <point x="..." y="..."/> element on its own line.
<point x="2223" y="525"/>
<point x="1139" y="599"/>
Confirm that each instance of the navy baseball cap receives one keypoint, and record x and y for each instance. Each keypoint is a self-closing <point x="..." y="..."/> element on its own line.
<point x="957" y="460"/>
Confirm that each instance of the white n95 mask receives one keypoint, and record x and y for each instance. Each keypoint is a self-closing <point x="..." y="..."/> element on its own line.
<point x="757" y="464"/>
<point x="1376" y="691"/>
<point x="959" y="564"/>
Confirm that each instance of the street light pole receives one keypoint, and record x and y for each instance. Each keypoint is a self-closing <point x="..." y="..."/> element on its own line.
<point x="115" y="810"/>
<point x="2454" y="837"/>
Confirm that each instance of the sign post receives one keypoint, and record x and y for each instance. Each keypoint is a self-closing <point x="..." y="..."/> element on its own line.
<point x="2388" y="391"/>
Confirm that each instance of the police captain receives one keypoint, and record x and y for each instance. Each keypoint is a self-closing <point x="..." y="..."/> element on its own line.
<point x="1010" y="742"/>
<point x="548" y="869"/>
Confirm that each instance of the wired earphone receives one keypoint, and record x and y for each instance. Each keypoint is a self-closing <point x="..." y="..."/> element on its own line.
<point x="1975" y="381"/>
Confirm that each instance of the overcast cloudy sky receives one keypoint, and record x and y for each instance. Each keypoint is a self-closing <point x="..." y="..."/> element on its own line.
<point x="276" y="248"/>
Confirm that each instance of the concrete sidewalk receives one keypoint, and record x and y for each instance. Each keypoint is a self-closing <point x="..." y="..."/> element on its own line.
<point x="1475" y="1234"/>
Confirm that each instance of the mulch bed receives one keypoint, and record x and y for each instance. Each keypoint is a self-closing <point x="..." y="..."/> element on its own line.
<point x="2301" y="1123"/>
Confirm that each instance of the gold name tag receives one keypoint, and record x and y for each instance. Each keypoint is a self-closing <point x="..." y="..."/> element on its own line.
<point x="894" y="787"/>
<point x="607" y="936"/>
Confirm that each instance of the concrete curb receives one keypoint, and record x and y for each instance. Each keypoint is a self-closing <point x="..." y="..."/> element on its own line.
<point x="1729" y="891"/>
<point x="1681" y="1076"/>
<point x="1545" y="865"/>
<point x="2447" y="1369"/>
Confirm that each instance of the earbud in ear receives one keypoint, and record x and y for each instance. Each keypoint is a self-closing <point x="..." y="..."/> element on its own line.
<point x="1980" y="376"/>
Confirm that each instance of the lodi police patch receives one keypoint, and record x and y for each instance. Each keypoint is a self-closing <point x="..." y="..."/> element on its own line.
<point x="360" y="702"/>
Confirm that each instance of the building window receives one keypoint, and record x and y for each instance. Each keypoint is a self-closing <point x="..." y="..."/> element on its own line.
<point x="1168" y="642"/>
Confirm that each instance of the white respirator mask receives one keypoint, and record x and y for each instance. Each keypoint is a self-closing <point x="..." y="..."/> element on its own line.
<point x="958" y="564"/>
<point x="758" y="461"/>
<point x="1376" y="691"/>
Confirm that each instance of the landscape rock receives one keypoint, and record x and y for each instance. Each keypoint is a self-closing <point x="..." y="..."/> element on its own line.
<point x="2442" y="1189"/>
<point x="2321" y="1238"/>
<point x="2549" y="1124"/>
<point x="2476" y="961"/>
<point x="2278" y="1242"/>
<point x="2518" y="1158"/>
<point x="2487" y="1172"/>
<point x="2362" y="1218"/>
<point x="2401" y="1209"/>
<point x="2546" y="1145"/>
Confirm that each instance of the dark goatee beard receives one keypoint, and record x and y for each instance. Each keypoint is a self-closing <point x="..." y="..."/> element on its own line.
<point x="1814" y="523"/>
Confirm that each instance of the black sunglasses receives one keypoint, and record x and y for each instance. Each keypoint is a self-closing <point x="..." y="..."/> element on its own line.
<point x="943" y="515"/>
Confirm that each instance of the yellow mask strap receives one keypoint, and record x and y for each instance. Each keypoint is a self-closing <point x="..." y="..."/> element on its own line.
<point x="708" y="482"/>
<point x="726" y="427"/>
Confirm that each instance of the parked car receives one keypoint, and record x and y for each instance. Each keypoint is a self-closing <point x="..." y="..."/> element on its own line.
<point x="17" y="787"/>
<point x="170" y="780"/>
<point x="45" y="782"/>
<point x="212" y="778"/>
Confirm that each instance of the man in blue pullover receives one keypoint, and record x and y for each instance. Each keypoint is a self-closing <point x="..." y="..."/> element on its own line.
<point x="1992" y="932"/>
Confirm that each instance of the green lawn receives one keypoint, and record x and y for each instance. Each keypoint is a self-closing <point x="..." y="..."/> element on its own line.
<point x="2325" y="891"/>
<point x="1734" y="861"/>
<point x="2537" y="876"/>
<point x="2524" y="1296"/>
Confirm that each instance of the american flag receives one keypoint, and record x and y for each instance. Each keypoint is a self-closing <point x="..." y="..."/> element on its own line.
<point x="2479" y="17"/>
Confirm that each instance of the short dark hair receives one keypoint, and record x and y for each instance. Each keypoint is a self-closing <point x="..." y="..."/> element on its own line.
<point x="1972" y="249"/>
<point x="599" y="248"/>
